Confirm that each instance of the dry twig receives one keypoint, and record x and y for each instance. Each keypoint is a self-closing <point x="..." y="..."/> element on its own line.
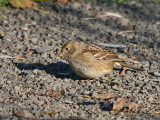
<point x="108" y="96"/>
<point x="29" y="53"/>
<point x="11" y="100"/>
<point x="86" y="96"/>
<point x="106" y="15"/>
<point x="126" y="32"/>
<point x="53" y="94"/>
<point x="157" y="102"/>
<point x="35" y="8"/>
<point x="123" y="71"/>
<point x="101" y="90"/>
<point x="9" y="57"/>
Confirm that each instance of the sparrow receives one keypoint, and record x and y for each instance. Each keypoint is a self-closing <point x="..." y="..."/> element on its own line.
<point x="91" y="61"/>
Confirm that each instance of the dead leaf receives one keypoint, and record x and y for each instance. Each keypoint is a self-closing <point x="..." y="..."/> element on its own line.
<point x="108" y="96"/>
<point x="22" y="3"/>
<point x="119" y="104"/>
<point x="132" y="105"/>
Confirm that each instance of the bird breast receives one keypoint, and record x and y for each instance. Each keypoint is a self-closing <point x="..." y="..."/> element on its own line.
<point x="89" y="70"/>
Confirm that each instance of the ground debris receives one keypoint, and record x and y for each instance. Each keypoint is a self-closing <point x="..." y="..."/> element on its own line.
<point x="107" y="96"/>
<point x="24" y="114"/>
<point x="11" y="100"/>
<point x="119" y="104"/>
<point x="51" y="94"/>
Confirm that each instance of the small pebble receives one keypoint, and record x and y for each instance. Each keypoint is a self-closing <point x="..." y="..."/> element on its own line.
<point x="156" y="74"/>
<point x="44" y="49"/>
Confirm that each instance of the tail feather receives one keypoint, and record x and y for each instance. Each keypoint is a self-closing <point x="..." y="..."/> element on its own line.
<point x="130" y="66"/>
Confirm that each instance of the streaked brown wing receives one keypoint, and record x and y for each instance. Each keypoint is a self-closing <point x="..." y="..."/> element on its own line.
<point x="101" y="54"/>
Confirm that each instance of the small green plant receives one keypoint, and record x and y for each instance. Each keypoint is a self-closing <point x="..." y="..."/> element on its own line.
<point x="157" y="1"/>
<point x="116" y="1"/>
<point x="4" y="2"/>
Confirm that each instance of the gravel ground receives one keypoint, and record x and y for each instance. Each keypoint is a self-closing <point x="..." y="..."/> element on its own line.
<point x="42" y="86"/>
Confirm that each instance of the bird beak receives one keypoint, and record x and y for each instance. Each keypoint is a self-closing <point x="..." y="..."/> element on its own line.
<point x="61" y="55"/>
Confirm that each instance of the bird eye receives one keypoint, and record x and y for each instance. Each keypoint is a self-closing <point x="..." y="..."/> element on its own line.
<point x="67" y="49"/>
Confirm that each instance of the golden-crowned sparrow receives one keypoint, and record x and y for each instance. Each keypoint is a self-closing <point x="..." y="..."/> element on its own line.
<point x="90" y="61"/>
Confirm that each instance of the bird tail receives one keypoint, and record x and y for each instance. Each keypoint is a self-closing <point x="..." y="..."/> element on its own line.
<point x="130" y="66"/>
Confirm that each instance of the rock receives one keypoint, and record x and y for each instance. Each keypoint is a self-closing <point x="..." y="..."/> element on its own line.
<point x="125" y="22"/>
<point x="68" y="102"/>
<point x="24" y="114"/>
<point x="44" y="49"/>
<point x="34" y="40"/>
<point x="10" y="36"/>
<point x="81" y="37"/>
<point x="156" y="74"/>
<point x="94" y="94"/>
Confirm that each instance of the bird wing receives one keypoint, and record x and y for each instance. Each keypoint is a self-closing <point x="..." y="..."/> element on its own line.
<point x="101" y="54"/>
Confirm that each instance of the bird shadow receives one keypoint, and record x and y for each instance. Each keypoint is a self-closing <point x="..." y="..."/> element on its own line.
<point x="58" y="69"/>
<point x="86" y="103"/>
<point x="103" y="106"/>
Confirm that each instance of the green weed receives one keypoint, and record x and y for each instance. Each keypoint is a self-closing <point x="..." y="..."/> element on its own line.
<point x="3" y="2"/>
